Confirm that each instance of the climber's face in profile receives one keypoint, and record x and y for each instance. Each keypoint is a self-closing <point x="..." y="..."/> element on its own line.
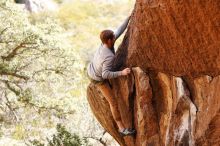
<point x="111" y="42"/>
<point x="107" y="37"/>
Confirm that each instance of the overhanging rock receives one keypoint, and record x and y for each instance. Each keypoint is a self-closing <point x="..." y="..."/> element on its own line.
<point x="172" y="96"/>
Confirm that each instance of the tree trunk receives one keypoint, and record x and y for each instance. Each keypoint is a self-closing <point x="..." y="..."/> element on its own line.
<point x="172" y="95"/>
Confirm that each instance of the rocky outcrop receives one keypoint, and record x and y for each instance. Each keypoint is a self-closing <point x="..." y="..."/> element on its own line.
<point x="176" y="37"/>
<point x="172" y="95"/>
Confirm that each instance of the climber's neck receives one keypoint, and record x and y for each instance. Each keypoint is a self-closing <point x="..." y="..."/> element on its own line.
<point x="109" y="45"/>
<point x="106" y="46"/>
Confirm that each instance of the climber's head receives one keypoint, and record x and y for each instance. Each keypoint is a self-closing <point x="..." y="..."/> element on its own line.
<point x="107" y="37"/>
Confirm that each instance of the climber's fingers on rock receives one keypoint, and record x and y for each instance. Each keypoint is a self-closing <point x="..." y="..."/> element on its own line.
<point x="126" y="71"/>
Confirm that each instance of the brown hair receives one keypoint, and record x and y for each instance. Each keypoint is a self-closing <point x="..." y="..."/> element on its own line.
<point x="106" y="35"/>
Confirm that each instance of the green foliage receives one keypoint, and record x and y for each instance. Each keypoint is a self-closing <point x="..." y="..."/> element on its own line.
<point x="59" y="1"/>
<point x="4" y="67"/>
<point x="1" y="132"/>
<point x="35" y="59"/>
<point x="19" y="132"/>
<point x="34" y="50"/>
<point x="37" y="143"/>
<point x="26" y="96"/>
<point x="63" y="138"/>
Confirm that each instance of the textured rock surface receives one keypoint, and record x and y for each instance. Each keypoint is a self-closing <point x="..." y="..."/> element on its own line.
<point x="170" y="97"/>
<point x="179" y="37"/>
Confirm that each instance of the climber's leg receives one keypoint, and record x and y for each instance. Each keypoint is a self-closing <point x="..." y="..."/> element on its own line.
<point x="108" y="94"/>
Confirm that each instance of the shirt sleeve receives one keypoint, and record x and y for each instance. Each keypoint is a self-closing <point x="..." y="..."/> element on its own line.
<point x="122" y="28"/>
<point x="106" y="69"/>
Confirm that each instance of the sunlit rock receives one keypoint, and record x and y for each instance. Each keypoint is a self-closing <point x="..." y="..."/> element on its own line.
<point x="172" y="95"/>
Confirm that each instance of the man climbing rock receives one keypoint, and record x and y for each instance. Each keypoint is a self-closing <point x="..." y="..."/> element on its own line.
<point x="100" y="70"/>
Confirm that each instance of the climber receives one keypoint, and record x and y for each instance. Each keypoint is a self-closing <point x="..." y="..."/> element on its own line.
<point x="100" y="70"/>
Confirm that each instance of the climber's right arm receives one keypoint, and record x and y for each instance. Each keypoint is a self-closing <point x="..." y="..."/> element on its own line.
<point x="122" y="28"/>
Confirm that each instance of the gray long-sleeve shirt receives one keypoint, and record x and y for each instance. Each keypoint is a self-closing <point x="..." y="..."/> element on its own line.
<point x="101" y="65"/>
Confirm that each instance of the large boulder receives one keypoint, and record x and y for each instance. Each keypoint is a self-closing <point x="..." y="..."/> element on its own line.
<point x="172" y="96"/>
<point x="176" y="37"/>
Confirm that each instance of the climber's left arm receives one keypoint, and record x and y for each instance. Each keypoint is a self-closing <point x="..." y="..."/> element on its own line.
<point x="122" y="28"/>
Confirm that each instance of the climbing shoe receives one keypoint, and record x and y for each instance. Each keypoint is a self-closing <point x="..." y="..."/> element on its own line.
<point x="127" y="132"/>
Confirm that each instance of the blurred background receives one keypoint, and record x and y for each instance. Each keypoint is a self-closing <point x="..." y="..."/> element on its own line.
<point x="45" y="47"/>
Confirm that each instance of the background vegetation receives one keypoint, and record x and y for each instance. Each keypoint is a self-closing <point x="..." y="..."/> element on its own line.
<point x="43" y="59"/>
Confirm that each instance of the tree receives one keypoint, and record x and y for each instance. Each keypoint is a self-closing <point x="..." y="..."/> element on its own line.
<point x="62" y="138"/>
<point x="35" y="53"/>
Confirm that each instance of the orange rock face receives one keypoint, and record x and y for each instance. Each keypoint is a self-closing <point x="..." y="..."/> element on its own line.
<point x="171" y="97"/>
<point x="179" y="37"/>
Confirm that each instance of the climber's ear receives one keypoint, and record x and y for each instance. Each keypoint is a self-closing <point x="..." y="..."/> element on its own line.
<point x="114" y="38"/>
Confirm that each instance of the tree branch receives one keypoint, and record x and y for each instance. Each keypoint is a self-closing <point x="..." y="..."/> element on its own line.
<point x="8" y="104"/>
<point x="4" y="30"/>
<point x="49" y="108"/>
<point x="17" y="93"/>
<point x="100" y="140"/>
<point x="15" y="51"/>
<point x="14" y="74"/>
